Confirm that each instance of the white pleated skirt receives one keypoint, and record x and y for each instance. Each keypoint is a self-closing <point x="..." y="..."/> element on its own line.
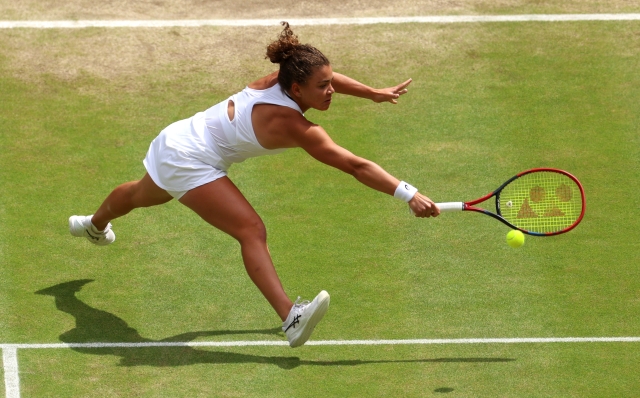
<point x="173" y="161"/>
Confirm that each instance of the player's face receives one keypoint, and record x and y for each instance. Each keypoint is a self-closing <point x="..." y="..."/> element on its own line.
<point x="317" y="91"/>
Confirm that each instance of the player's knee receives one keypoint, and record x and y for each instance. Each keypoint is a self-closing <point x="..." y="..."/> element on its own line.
<point x="252" y="230"/>
<point x="133" y="195"/>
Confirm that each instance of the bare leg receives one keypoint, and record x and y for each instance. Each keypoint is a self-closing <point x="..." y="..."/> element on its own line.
<point x="222" y="205"/>
<point x="128" y="196"/>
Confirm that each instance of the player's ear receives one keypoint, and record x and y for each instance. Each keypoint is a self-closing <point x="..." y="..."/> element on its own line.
<point x="295" y="90"/>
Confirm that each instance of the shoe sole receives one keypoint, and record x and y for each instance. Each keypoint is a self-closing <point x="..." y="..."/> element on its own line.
<point x="323" y="305"/>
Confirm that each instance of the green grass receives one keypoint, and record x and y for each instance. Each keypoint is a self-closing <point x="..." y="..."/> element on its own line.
<point x="495" y="371"/>
<point x="488" y="100"/>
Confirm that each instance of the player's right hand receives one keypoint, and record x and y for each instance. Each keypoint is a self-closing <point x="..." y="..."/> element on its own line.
<point x="421" y="206"/>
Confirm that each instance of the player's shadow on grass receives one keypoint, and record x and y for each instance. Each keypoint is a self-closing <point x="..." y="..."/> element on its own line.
<point x="97" y="326"/>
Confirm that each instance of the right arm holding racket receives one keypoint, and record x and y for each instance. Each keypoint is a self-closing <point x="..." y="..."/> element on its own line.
<point x="296" y="131"/>
<point x="317" y="143"/>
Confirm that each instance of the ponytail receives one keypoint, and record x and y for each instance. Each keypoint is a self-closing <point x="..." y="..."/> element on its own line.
<point x="297" y="61"/>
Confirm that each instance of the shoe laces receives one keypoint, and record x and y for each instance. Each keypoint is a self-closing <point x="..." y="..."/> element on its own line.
<point x="297" y="309"/>
<point x="301" y="304"/>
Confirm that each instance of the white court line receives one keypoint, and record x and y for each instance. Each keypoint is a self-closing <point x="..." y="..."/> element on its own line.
<point x="11" y="377"/>
<point x="316" y="21"/>
<point x="266" y="343"/>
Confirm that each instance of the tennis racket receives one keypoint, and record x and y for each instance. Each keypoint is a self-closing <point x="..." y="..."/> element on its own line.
<point x="540" y="202"/>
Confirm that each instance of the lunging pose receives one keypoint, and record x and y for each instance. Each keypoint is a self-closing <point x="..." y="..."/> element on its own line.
<point x="189" y="160"/>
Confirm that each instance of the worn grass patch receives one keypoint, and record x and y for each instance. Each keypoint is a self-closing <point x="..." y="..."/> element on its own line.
<point x="228" y="9"/>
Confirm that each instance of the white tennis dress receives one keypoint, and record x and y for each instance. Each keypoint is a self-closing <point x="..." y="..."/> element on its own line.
<point x="195" y="151"/>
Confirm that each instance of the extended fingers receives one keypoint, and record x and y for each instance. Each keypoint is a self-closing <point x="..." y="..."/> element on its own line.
<point x="403" y="86"/>
<point x="401" y="89"/>
<point x="391" y="94"/>
<point x="396" y="94"/>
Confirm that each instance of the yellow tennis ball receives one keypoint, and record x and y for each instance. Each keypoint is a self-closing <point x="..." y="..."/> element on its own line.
<point x="515" y="238"/>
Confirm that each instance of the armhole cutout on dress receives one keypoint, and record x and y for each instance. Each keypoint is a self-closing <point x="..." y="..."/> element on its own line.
<point x="231" y="110"/>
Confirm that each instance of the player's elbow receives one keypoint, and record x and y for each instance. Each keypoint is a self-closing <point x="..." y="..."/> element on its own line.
<point x="358" y="166"/>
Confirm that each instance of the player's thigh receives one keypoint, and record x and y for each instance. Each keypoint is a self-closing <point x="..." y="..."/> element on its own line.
<point x="221" y="204"/>
<point x="146" y="193"/>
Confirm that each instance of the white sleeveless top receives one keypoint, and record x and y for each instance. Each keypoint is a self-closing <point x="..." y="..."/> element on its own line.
<point x="200" y="149"/>
<point x="233" y="141"/>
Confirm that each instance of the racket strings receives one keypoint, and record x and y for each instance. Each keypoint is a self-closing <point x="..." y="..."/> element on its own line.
<point x="542" y="202"/>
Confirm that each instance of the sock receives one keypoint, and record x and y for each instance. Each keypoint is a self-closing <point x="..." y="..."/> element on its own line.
<point x="96" y="230"/>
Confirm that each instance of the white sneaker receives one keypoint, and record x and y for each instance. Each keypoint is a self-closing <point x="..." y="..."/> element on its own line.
<point x="303" y="318"/>
<point x="81" y="226"/>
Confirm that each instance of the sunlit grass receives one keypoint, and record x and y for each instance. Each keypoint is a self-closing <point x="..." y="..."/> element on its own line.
<point x="487" y="102"/>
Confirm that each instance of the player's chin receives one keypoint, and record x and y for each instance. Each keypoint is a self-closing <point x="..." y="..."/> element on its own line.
<point x="324" y="106"/>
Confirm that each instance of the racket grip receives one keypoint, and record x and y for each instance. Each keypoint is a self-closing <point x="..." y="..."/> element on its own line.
<point x="446" y="207"/>
<point x="450" y="206"/>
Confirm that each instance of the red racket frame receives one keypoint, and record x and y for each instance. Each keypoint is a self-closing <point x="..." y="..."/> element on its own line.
<point x="469" y="206"/>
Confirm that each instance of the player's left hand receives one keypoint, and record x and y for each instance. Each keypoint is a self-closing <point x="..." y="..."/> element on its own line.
<point x="391" y="94"/>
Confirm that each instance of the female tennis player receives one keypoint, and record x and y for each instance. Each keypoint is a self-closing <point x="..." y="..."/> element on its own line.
<point x="189" y="160"/>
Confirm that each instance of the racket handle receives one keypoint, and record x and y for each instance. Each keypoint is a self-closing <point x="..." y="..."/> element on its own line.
<point x="450" y="206"/>
<point x="446" y="207"/>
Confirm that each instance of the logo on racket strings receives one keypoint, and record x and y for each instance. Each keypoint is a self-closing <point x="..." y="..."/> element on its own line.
<point x="541" y="203"/>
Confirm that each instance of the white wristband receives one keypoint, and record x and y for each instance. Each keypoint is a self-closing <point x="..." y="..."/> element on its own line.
<point x="405" y="191"/>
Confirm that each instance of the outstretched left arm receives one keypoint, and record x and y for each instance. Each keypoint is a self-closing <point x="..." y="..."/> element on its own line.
<point x="346" y="85"/>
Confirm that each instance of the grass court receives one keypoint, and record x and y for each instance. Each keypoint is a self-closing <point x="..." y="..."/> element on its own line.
<point x="78" y="109"/>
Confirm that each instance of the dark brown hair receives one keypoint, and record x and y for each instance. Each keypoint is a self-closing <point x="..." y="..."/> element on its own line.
<point x="297" y="61"/>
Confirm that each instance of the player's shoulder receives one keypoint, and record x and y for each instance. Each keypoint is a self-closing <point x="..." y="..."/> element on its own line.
<point x="280" y="119"/>
<point x="291" y="120"/>
<point x="265" y="82"/>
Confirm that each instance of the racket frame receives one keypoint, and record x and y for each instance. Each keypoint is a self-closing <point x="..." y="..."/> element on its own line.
<point x="470" y="206"/>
